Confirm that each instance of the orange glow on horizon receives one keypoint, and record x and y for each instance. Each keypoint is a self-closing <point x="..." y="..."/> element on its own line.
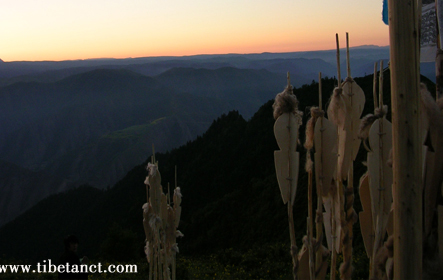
<point x="58" y="30"/>
<point x="187" y="50"/>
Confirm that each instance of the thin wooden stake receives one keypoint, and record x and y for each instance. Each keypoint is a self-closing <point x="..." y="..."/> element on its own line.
<point x="380" y="84"/>
<point x="310" y="227"/>
<point x="348" y="213"/>
<point x="155" y="262"/>
<point x="319" y="224"/>
<point x="440" y="230"/>
<point x="438" y="63"/>
<point x="338" y="60"/>
<point x="320" y="97"/>
<point x="348" y="61"/>
<point x="151" y="263"/>
<point x="333" y="222"/>
<point x="379" y="234"/>
<point x="168" y="196"/>
<point x="407" y="154"/>
<point x="439" y="74"/>
<point x="292" y="236"/>
<point x="348" y="198"/>
<point x="374" y="87"/>
<point x="290" y="207"/>
<point x="174" y="277"/>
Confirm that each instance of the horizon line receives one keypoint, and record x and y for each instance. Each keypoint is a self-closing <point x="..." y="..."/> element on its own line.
<point x="187" y="56"/>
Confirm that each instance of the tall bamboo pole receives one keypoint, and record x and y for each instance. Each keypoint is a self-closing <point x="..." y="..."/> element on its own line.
<point x="380" y="85"/>
<point x="438" y="63"/>
<point x="291" y="223"/>
<point x="333" y="221"/>
<point x="310" y="223"/>
<point x="290" y="206"/>
<point x="407" y="186"/>
<point x="338" y="61"/>
<point x="374" y="87"/>
<point x="379" y="233"/>
<point x="346" y="268"/>
<point x="319" y="226"/>
<point x="348" y="61"/>
<point x="310" y="227"/>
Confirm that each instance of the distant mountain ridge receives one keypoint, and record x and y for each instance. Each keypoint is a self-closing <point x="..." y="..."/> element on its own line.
<point x="304" y="64"/>
<point x="93" y="127"/>
<point x="11" y="72"/>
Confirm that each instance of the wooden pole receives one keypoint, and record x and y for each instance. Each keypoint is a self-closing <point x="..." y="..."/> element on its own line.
<point x="374" y="92"/>
<point x="348" y="198"/>
<point x="291" y="223"/>
<point x="320" y="97"/>
<point x="333" y="221"/>
<point x="175" y="176"/>
<point x="310" y="227"/>
<point x="440" y="230"/>
<point x="319" y="226"/>
<point x="338" y="60"/>
<point x="380" y="85"/>
<point x="379" y="233"/>
<point x="438" y="62"/>
<point x="407" y="154"/>
<point x="439" y="74"/>
<point x="348" y="61"/>
<point x="374" y="87"/>
<point x="290" y="206"/>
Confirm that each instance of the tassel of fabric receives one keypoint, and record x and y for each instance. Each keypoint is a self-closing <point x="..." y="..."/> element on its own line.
<point x="337" y="108"/>
<point x="286" y="102"/>
<point x="310" y="125"/>
<point x="368" y="120"/>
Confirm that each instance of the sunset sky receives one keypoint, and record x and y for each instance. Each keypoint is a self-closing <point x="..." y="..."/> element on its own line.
<point x="80" y="29"/>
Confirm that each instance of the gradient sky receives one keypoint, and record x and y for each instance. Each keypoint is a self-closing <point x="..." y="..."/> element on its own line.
<point x="80" y="29"/>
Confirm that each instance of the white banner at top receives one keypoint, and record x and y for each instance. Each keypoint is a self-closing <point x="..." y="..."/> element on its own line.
<point x="440" y="20"/>
<point x="428" y="39"/>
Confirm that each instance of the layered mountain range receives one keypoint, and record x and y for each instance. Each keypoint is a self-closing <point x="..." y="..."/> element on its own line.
<point x="69" y="123"/>
<point x="95" y="126"/>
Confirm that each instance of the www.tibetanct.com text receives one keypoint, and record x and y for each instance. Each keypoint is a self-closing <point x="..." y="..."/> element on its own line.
<point x="49" y="267"/>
